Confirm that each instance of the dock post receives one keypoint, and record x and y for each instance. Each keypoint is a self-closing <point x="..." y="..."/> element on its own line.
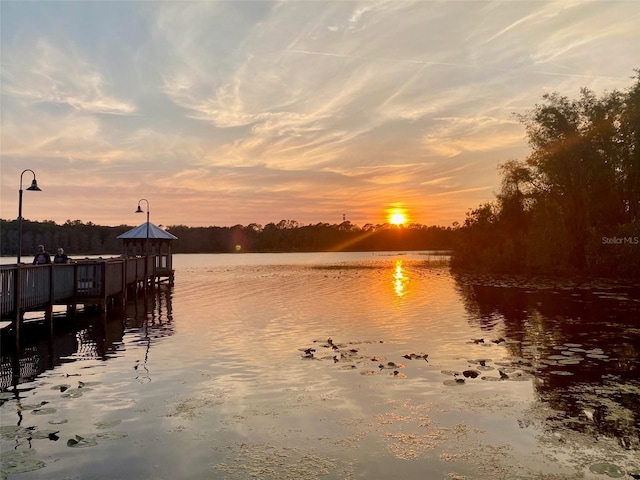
<point x="48" y="315"/>
<point x="18" y="306"/>
<point x="48" y="309"/>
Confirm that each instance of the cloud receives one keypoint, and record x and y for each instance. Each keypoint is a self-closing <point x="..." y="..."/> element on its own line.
<point x="40" y="72"/>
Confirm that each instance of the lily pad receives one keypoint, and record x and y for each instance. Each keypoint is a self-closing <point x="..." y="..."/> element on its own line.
<point x="11" y="432"/>
<point x="570" y="361"/>
<point x="454" y="383"/>
<point x="61" y="388"/>
<point x="111" y="435"/>
<point x="19" y="461"/>
<point x="608" y="469"/>
<point x="82" y="442"/>
<point x="72" y="393"/>
<point x="45" y="434"/>
<point x="44" y="411"/>
<point x="32" y="406"/>
<point x="598" y="356"/>
<point x="58" y="421"/>
<point x="109" y="424"/>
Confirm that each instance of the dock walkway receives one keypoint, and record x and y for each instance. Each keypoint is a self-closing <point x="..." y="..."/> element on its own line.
<point x="101" y="282"/>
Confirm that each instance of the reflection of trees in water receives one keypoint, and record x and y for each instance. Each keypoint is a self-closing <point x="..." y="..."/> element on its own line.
<point x="583" y="344"/>
<point x="87" y="335"/>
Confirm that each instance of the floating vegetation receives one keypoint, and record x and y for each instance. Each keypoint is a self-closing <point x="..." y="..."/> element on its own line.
<point x="378" y="359"/>
<point x="58" y="421"/>
<point x="62" y="387"/>
<point x="73" y="393"/>
<point x="46" y="435"/>
<point x="105" y="425"/>
<point x="597" y="356"/>
<point x="19" y="461"/>
<point x="44" y="411"/>
<point x="6" y="395"/>
<point x="82" y="442"/>
<point x="415" y="356"/>
<point x="520" y="376"/>
<point x="284" y="463"/>
<point x="391" y="365"/>
<point x="481" y="363"/>
<point x="348" y="367"/>
<point x="456" y="382"/>
<point x="111" y="435"/>
<point x="31" y="406"/>
<point x="608" y="469"/>
<point x="13" y="432"/>
<point x="354" y="357"/>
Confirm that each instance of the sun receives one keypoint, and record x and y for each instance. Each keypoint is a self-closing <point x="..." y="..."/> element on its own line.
<point x="397" y="217"/>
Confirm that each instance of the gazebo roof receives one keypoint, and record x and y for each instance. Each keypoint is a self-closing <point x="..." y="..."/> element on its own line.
<point x="140" y="232"/>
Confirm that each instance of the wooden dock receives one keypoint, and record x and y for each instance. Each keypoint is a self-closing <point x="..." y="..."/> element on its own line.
<point x="101" y="283"/>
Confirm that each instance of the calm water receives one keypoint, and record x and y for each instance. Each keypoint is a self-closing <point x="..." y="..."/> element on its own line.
<point x="295" y="366"/>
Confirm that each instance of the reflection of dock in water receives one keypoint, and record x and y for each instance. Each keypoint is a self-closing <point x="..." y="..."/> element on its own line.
<point x="85" y="336"/>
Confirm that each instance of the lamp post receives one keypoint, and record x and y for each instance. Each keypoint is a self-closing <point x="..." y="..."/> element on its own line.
<point x="34" y="188"/>
<point x="146" y="242"/>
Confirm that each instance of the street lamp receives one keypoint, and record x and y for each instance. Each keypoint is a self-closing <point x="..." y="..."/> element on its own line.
<point x="139" y="210"/>
<point x="146" y="242"/>
<point x="34" y="188"/>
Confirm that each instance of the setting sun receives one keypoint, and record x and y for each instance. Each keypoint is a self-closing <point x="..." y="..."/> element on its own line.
<point x="397" y="216"/>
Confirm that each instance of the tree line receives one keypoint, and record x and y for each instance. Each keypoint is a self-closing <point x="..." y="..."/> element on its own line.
<point x="573" y="205"/>
<point x="78" y="238"/>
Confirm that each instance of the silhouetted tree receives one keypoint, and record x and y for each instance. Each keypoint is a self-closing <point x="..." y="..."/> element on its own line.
<point x="580" y="183"/>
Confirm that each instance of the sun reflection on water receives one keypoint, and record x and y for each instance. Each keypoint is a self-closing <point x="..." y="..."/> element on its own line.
<point x="399" y="279"/>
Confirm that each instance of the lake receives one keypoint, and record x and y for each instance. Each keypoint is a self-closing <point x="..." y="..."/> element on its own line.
<point x="332" y="366"/>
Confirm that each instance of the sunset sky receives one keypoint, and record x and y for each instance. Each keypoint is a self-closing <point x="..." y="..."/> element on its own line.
<point x="240" y="112"/>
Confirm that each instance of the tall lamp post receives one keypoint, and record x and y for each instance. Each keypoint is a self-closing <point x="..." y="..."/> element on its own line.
<point x="34" y="188"/>
<point x="146" y="242"/>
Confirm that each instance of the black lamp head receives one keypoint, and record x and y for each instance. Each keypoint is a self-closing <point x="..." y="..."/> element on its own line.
<point x="34" y="186"/>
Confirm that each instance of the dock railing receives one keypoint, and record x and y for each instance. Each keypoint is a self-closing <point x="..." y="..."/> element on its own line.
<point x="26" y="287"/>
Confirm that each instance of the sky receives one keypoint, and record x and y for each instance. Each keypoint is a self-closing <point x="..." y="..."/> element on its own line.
<point x="251" y="112"/>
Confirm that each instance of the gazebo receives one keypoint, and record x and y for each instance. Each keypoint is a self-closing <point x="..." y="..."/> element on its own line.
<point x="150" y="239"/>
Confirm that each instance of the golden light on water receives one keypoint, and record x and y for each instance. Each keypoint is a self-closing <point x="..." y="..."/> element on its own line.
<point x="399" y="279"/>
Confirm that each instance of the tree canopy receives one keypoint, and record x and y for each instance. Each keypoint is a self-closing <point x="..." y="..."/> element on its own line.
<point x="574" y="204"/>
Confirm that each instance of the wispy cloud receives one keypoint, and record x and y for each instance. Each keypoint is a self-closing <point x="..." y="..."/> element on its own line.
<point x="40" y="72"/>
